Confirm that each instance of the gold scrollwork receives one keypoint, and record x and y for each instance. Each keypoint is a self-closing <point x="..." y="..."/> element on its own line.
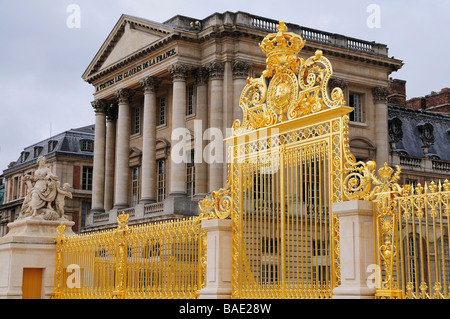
<point x="290" y="87"/>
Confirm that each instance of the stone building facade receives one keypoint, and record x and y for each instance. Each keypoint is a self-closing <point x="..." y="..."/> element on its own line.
<point x="70" y="157"/>
<point x="163" y="91"/>
<point x="419" y="134"/>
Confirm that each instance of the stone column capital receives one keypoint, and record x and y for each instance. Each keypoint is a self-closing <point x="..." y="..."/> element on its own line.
<point x="216" y="70"/>
<point x="99" y="106"/>
<point x="380" y="94"/>
<point x="150" y="84"/>
<point x="179" y="72"/>
<point x="240" y="69"/>
<point x="201" y="75"/>
<point x="111" y="111"/>
<point x="124" y="95"/>
<point x="334" y="82"/>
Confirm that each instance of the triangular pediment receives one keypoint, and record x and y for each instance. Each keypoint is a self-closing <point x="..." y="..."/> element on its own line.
<point x="130" y="35"/>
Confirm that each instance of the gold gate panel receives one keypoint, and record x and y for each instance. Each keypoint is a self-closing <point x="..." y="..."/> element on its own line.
<point x="287" y="162"/>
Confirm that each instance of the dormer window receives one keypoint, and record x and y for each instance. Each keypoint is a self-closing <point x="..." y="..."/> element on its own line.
<point x="87" y="145"/>
<point x="24" y="156"/>
<point x="37" y="151"/>
<point x="52" y="145"/>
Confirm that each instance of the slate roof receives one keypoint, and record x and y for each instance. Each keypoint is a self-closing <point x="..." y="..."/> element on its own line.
<point x="67" y="143"/>
<point x="411" y="123"/>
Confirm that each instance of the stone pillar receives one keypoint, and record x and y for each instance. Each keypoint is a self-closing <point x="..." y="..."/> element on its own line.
<point x="178" y="167"/>
<point x="216" y="71"/>
<point x="111" y="118"/>
<point x="201" y="166"/>
<point x="122" y="150"/>
<point x="98" y="182"/>
<point x="148" y="190"/>
<point x="380" y="95"/>
<point x="29" y="244"/>
<point x="356" y="249"/>
<point x="218" y="268"/>
<point x="240" y="74"/>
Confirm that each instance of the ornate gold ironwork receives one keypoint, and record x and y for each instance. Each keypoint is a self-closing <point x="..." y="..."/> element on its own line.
<point x="162" y="260"/>
<point x="297" y="87"/>
<point x="59" y="240"/>
<point x="411" y="241"/>
<point x="292" y="133"/>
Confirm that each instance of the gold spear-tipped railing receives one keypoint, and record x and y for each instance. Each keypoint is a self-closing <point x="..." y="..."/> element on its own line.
<point x="161" y="260"/>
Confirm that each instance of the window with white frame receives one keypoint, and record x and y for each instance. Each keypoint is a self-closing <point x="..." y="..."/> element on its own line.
<point x="86" y="180"/>
<point x="190" y="100"/>
<point x="162" y="114"/>
<point x="355" y="101"/>
<point x="161" y="180"/>
<point x="136" y="128"/>
<point x="190" y="174"/>
<point x="134" y="186"/>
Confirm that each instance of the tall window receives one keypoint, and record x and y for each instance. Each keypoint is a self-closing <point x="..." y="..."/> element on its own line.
<point x="355" y="101"/>
<point x="162" y="111"/>
<point x="190" y="175"/>
<point x="134" y="186"/>
<point x="85" y="207"/>
<point x="86" y="182"/>
<point x="161" y="180"/>
<point x="16" y="188"/>
<point x="137" y="120"/>
<point x="190" y="100"/>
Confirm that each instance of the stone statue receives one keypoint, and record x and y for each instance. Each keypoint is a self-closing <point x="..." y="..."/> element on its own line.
<point x="44" y="193"/>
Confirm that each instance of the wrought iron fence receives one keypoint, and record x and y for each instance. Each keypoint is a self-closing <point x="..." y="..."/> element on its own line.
<point x="162" y="260"/>
<point x="412" y="241"/>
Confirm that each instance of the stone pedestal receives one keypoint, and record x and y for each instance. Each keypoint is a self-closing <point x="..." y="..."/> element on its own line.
<point x="357" y="249"/>
<point x="218" y="269"/>
<point x="29" y="244"/>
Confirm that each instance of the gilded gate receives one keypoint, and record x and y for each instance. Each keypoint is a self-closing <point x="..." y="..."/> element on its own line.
<point x="289" y="160"/>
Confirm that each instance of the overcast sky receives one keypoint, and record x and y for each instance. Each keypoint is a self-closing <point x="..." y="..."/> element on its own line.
<point x="42" y="58"/>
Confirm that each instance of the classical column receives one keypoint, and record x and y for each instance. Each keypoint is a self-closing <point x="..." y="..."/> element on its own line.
<point x="216" y="71"/>
<point x="148" y="191"/>
<point x="98" y="182"/>
<point x="380" y="95"/>
<point x="110" y="155"/>
<point x="201" y="166"/>
<point x="122" y="149"/>
<point x="178" y="165"/>
<point x="240" y="75"/>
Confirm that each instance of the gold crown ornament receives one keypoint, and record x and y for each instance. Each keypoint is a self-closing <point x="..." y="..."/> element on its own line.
<point x="282" y="43"/>
<point x="289" y="87"/>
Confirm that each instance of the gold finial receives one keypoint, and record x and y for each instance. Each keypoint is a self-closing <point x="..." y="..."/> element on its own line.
<point x="282" y="43"/>
<point x="60" y="230"/>
<point x="282" y="27"/>
<point x="122" y="219"/>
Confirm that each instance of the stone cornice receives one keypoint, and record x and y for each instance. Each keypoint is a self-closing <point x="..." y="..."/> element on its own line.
<point x="238" y="30"/>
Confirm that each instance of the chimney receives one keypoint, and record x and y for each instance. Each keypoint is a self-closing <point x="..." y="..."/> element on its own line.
<point x="397" y="94"/>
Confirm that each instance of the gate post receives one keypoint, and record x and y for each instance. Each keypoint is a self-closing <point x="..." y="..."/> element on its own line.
<point x="356" y="249"/>
<point x="218" y="256"/>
